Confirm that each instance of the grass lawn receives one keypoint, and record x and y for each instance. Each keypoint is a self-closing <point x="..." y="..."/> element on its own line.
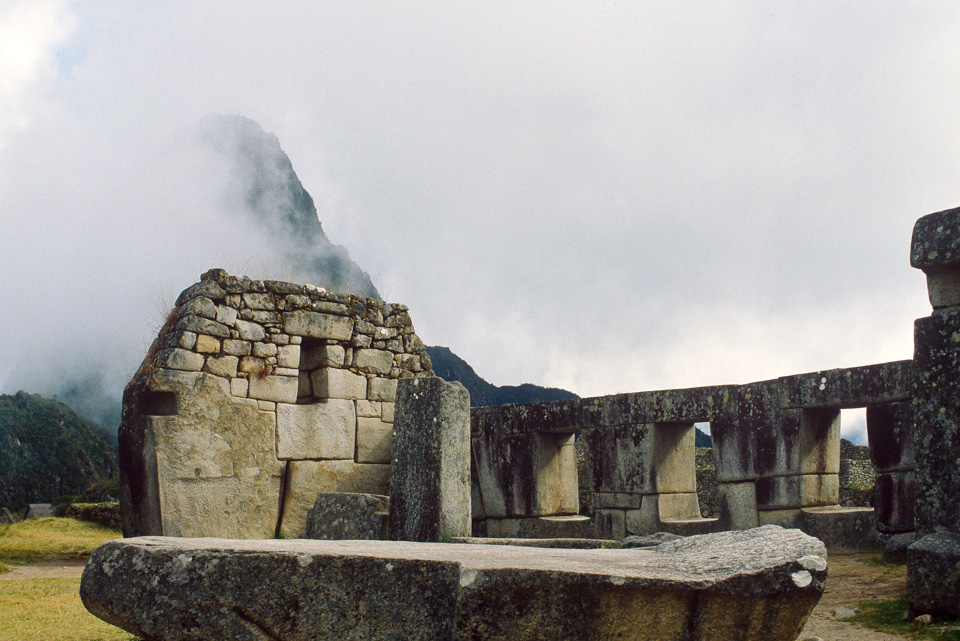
<point x="51" y="538"/>
<point x="50" y="609"/>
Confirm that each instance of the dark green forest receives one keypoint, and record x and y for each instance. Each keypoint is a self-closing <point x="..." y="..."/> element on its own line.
<point x="48" y="451"/>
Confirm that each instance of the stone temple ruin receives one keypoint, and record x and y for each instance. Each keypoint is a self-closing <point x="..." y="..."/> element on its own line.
<point x="267" y="409"/>
<point x="255" y="397"/>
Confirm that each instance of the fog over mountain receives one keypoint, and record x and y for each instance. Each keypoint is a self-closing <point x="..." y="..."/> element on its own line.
<point x="271" y="227"/>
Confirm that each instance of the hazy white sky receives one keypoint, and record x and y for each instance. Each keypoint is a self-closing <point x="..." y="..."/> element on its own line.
<point x="600" y="196"/>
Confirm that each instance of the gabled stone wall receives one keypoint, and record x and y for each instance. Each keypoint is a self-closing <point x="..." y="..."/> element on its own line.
<point x="255" y="396"/>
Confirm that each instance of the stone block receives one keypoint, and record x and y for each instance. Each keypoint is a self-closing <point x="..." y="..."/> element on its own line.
<point x="790" y="518"/>
<point x="678" y="507"/>
<point x="842" y="529"/>
<point x="820" y="441"/>
<point x="542" y="527"/>
<point x="373" y="361"/>
<point x="943" y="288"/>
<point x="819" y="489"/>
<point x="266" y="406"/>
<point x="369" y="409"/>
<point x="324" y="430"/>
<point x="610" y="524"/>
<point x="329" y="382"/>
<point x="249" y="331"/>
<point x="252" y="365"/>
<point x="288" y="356"/>
<point x="935" y="244"/>
<point x="555" y="469"/>
<point x="279" y="389"/>
<point x="201" y="325"/>
<point x="738" y="505"/>
<point x="374" y="440"/>
<point x="890" y="433"/>
<point x="304" y="387"/>
<point x="226" y="315"/>
<point x="382" y="389"/>
<point x="306" y="479"/>
<point x="263" y="350"/>
<point x="386" y="411"/>
<point x="937" y="415"/>
<point x="258" y="301"/>
<point x="199" y="306"/>
<point x="894" y="501"/>
<point x="180" y="359"/>
<point x="222" y="366"/>
<point x="620" y="457"/>
<point x="755" y="585"/>
<point x="208" y="470"/>
<point x="316" y="325"/>
<point x="895" y="549"/>
<point x="933" y="574"/>
<point x="778" y="493"/>
<point x="207" y="344"/>
<point x="186" y="340"/>
<point x="617" y="500"/>
<point x="348" y="516"/>
<point x="674" y="457"/>
<point x="239" y="386"/>
<point x="234" y="347"/>
<point x="430" y="478"/>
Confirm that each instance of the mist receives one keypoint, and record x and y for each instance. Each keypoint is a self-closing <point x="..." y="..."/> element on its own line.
<point x="601" y="198"/>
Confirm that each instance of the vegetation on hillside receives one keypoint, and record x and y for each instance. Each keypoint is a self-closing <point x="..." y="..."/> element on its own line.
<point x="48" y="451"/>
<point x="451" y="367"/>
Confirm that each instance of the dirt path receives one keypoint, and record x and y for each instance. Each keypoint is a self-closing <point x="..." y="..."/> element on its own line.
<point x="851" y="582"/>
<point x="45" y="569"/>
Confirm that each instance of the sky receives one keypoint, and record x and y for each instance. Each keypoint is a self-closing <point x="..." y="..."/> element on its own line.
<point x="600" y="196"/>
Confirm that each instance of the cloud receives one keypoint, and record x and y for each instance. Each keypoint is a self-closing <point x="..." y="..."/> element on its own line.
<point x="602" y="197"/>
<point x="31" y="34"/>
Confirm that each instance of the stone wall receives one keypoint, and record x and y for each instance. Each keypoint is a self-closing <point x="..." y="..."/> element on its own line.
<point x="255" y="396"/>
<point x="776" y="452"/>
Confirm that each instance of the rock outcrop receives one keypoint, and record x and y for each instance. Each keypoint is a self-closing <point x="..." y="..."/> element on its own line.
<point x="736" y="586"/>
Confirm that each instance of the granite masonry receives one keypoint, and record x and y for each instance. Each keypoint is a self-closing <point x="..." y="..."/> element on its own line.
<point x="255" y="397"/>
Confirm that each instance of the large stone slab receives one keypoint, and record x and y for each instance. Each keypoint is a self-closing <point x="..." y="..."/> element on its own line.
<point x="430" y="472"/>
<point x="933" y="574"/>
<point x="734" y="586"/>
<point x="348" y="515"/>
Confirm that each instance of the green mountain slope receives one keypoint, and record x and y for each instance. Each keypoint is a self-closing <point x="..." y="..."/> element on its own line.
<point x="451" y="367"/>
<point x="47" y="451"/>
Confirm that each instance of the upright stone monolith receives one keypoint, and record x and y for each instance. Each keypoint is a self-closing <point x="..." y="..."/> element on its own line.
<point x="936" y="250"/>
<point x="430" y="473"/>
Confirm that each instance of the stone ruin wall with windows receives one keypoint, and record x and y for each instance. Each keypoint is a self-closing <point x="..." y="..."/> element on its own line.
<point x="255" y="396"/>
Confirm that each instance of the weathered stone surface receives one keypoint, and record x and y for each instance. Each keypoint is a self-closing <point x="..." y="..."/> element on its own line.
<point x="180" y="359"/>
<point x="306" y="479"/>
<point x="373" y="361"/>
<point x="317" y="325"/>
<point x="279" y="389"/>
<point x="288" y="356"/>
<point x="207" y="344"/>
<point x="895" y="549"/>
<point x="649" y="540"/>
<point x="936" y="243"/>
<point x="221" y="365"/>
<point x="894" y="501"/>
<point x="180" y="589"/>
<point x="937" y="414"/>
<point x="329" y="382"/>
<point x="542" y="527"/>
<point x="382" y="389"/>
<point x="236" y="347"/>
<point x="324" y="430"/>
<point x="430" y="476"/>
<point x="933" y="574"/>
<point x="249" y="331"/>
<point x="207" y="469"/>
<point x="200" y="325"/>
<point x="374" y="440"/>
<point x="345" y="515"/>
